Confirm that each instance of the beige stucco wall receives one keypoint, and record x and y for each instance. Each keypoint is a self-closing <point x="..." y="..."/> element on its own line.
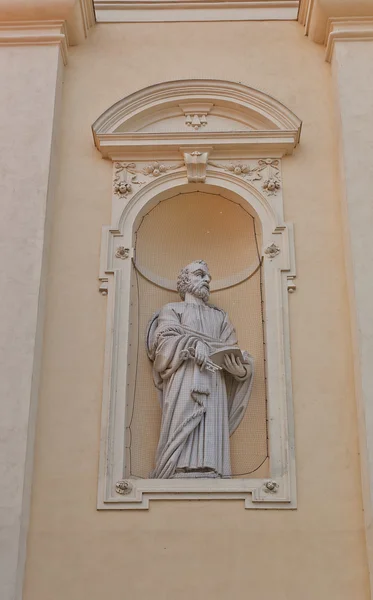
<point x="197" y="549"/>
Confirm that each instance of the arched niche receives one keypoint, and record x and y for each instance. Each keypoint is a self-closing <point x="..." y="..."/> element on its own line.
<point x="243" y="167"/>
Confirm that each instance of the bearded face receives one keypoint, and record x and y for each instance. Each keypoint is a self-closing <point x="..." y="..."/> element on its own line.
<point x="195" y="279"/>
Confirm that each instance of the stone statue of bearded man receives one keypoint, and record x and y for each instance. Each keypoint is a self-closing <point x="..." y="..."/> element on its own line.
<point x="202" y="402"/>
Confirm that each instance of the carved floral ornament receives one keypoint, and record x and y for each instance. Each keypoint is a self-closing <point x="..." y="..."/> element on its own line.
<point x="271" y="487"/>
<point x="266" y="171"/>
<point x="272" y="251"/>
<point x="122" y="252"/>
<point x="126" y="175"/>
<point x="123" y="487"/>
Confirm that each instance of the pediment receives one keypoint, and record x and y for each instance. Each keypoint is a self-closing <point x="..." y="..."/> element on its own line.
<point x="195" y="112"/>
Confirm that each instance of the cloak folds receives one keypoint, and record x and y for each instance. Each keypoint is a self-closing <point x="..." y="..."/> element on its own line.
<point x="200" y="409"/>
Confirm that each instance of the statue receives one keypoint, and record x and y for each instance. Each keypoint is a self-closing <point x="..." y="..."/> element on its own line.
<point x="203" y="379"/>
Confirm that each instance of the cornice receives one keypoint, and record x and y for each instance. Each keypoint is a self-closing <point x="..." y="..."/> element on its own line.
<point x="146" y="11"/>
<point x="80" y="20"/>
<point x="353" y="29"/>
<point x="118" y="131"/>
<point x="35" y="33"/>
<point x="315" y="15"/>
<point x="183" y="91"/>
<point x="118" y="146"/>
<point x="77" y="14"/>
<point x="37" y="10"/>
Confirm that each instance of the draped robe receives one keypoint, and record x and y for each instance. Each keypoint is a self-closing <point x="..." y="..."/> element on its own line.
<point x="200" y="409"/>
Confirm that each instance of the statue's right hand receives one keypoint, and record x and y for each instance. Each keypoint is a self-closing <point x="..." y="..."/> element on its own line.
<point x="201" y="354"/>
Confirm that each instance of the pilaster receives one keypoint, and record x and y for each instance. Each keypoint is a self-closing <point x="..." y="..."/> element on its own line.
<point x="33" y="51"/>
<point x="346" y="29"/>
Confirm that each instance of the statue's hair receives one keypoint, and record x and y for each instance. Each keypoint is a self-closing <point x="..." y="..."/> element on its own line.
<point x="183" y="279"/>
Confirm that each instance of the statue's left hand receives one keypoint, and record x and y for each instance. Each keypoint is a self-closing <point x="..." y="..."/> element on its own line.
<point x="233" y="365"/>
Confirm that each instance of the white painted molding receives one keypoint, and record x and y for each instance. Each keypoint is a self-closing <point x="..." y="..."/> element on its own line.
<point x="35" y="33"/>
<point x="342" y="29"/>
<point x="147" y="169"/>
<point x="270" y="113"/>
<point x="145" y="11"/>
<point x="79" y="20"/>
<point x="115" y="490"/>
<point x="255" y="122"/>
<point x="316" y="16"/>
<point x="196" y="164"/>
<point x="46" y="32"/>
<point x="196" y="114"/>
<point x="251" y="143"/>
<point x="88" y="14"/>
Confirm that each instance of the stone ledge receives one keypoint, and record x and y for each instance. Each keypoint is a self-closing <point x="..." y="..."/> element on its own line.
<point x="343" y="29"/>
<point x="155" y="11"/>
<point x="78" y="14"/>
<point x="315" y="15"/>
<point x="35" y="33"/>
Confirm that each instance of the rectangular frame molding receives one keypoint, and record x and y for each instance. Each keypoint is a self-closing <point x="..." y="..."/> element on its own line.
<point x="278" y="490"/>
<point x="163" y="11"/>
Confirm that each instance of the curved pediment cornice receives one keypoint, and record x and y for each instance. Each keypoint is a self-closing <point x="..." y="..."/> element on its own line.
<point x="196" y="112"/>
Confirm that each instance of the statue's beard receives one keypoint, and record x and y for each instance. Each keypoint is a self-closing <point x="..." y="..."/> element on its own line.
<point x="200" y="290"/>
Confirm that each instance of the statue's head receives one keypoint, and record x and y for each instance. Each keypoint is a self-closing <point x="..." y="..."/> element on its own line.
<point x="194" y="279"/>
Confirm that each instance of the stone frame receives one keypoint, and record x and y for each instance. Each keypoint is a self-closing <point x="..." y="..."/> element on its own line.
<point x="136" y="189"/>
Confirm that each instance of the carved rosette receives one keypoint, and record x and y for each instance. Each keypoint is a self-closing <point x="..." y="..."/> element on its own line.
<point x="123" y="487"/>
<point x="271" y="487"/>
<point x="272" y="251"/>
<point x="122" y="252"/>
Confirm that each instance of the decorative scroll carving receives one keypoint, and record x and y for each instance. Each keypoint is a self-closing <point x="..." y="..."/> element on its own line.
<point x="196" y="165"/>
<point x="267" y="170"/>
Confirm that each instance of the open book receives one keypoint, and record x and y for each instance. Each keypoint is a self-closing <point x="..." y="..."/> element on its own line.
<point x="218" y="357"/>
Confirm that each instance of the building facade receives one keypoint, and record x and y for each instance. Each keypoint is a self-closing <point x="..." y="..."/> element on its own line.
<point x="128" y="130"/>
